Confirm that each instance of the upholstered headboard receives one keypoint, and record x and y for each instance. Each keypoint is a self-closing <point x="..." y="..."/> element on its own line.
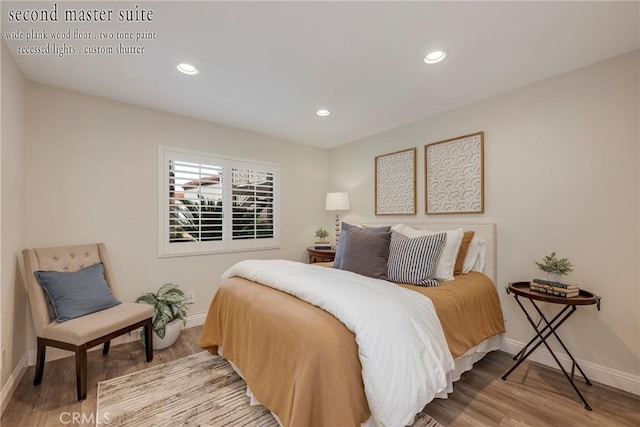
<point x="484" y="231"/>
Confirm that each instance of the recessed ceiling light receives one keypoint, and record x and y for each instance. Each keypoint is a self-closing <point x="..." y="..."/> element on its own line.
<point x="435" y="57"/>
<point x="323" y="113"/>
<point x="185" y="68"/>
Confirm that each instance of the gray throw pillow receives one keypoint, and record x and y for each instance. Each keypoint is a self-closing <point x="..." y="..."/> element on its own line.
<point x="337" y="261"/>
<point x="366" y="253"/>
<point x="413" y="260"/>
<point x="74" y="294"/>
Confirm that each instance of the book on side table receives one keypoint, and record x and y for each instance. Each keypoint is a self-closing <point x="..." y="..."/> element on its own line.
<point x="557" y="289"/>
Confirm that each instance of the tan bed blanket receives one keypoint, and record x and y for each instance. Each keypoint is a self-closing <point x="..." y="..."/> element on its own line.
<point x="468" y="308"/>
<point x="302" y="363"/>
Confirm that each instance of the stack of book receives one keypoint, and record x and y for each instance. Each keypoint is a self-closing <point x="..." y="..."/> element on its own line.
<point x="557" y="289"/>
<point x="326" y="246"/>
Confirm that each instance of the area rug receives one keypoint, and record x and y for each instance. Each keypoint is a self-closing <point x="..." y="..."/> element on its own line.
<point x="198" y="390"/>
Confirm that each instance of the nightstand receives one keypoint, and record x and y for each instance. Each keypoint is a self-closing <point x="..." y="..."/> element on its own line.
<point x="545" y="328"/>
<point x="320" y="255"/>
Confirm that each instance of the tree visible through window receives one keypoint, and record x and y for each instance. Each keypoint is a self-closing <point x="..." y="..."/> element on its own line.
<point x="252" y="204"/>
<point x="195" y="202"/>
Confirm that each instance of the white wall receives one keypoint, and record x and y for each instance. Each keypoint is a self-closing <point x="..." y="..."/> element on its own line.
<point x="12" y="202"/>
<point x="561" y="174"/>
<point x="92" y="168"/>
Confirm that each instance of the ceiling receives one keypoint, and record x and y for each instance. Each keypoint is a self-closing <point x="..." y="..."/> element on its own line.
<point x="268" y="66"/>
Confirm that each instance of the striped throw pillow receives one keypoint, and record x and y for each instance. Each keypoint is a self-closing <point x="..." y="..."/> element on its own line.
<point x="414" y="260"/>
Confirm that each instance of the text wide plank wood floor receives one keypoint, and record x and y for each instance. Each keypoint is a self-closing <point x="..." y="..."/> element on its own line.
<point x="533" y="395"/>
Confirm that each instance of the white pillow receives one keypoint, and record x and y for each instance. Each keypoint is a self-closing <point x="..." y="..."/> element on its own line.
<point x="476" y="256"/>
<point x="447" y="261"/>
<point x="398" y="228"/>
<point x="482" y="257"/>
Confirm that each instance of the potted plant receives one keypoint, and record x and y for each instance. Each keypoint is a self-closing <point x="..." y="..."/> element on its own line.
<point x="554" y="267"/>
<point x="170" y="314"/>
<point x="322" y="235"/>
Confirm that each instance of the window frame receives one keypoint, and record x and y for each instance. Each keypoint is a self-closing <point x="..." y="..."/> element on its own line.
<point x="227" y="244"/>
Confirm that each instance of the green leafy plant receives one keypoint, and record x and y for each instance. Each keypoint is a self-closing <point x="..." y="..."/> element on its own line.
<point x="554" y="265"/>
<point x="196" y="220"/>
<point x="322" y="234"/>
<point x="201" y="220"/>
<point x="169" y="304"/>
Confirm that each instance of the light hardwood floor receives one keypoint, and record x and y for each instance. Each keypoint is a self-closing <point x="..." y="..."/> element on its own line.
<point x="532" y="396"/>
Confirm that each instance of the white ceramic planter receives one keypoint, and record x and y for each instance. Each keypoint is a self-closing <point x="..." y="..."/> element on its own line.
<point x="554" y="277"/>
<point x="171" y="334"/>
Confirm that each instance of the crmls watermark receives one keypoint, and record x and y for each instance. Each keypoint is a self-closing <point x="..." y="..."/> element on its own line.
<point x="81" y="418"/>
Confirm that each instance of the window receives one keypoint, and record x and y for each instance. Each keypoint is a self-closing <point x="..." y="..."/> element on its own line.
<point x="213" y="203"/>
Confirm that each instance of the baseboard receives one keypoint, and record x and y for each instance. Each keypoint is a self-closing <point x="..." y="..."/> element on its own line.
<point x="598" y="373"/>
<point x="12" y="383"/>
<point x="196" y="319"/>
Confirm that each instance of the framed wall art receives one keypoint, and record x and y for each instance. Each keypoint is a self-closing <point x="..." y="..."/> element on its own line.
<point x="454" y="175"/>
<point x="395" y="192"/>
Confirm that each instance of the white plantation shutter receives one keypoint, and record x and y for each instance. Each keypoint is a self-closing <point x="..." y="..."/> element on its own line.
<point x="253" y="202"/>
<point x="216" y="204"/>
<point x="195" y="202"/>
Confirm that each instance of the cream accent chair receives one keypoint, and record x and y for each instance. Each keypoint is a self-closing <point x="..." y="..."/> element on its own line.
<point x="82" y="333"/>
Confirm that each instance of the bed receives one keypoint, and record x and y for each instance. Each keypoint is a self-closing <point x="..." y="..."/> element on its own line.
<point x="308" y="368"/>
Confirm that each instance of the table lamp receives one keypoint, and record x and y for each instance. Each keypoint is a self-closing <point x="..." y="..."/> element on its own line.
<point x="337" y="202"/>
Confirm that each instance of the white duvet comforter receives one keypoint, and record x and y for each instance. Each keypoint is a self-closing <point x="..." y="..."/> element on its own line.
<point x="401" y="345"/>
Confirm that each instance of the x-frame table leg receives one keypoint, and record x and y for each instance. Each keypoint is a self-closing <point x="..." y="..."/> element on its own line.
<point x="537" y="337"/>
<point x="541" y="338"/>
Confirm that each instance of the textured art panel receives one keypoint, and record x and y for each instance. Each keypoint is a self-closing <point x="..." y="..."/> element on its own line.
<point x="396" y="183"/>
<point x="455" y="175"/>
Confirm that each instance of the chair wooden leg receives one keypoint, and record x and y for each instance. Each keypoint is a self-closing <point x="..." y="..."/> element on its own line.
<point x="148" y="339"/>
<point x="81" y="371"/>
<point x="105" y="349"/>
<point x="40" y="357"/>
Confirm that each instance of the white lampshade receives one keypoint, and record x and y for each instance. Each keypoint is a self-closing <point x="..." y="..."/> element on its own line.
<point x="337" y="202"/>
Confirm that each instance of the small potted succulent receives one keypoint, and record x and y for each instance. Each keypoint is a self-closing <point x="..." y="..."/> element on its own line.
<point x="322" y="235"/>
<point x="322" y="243"/>
<point x="554" y="267"/>
<point x="170" y="315"/>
